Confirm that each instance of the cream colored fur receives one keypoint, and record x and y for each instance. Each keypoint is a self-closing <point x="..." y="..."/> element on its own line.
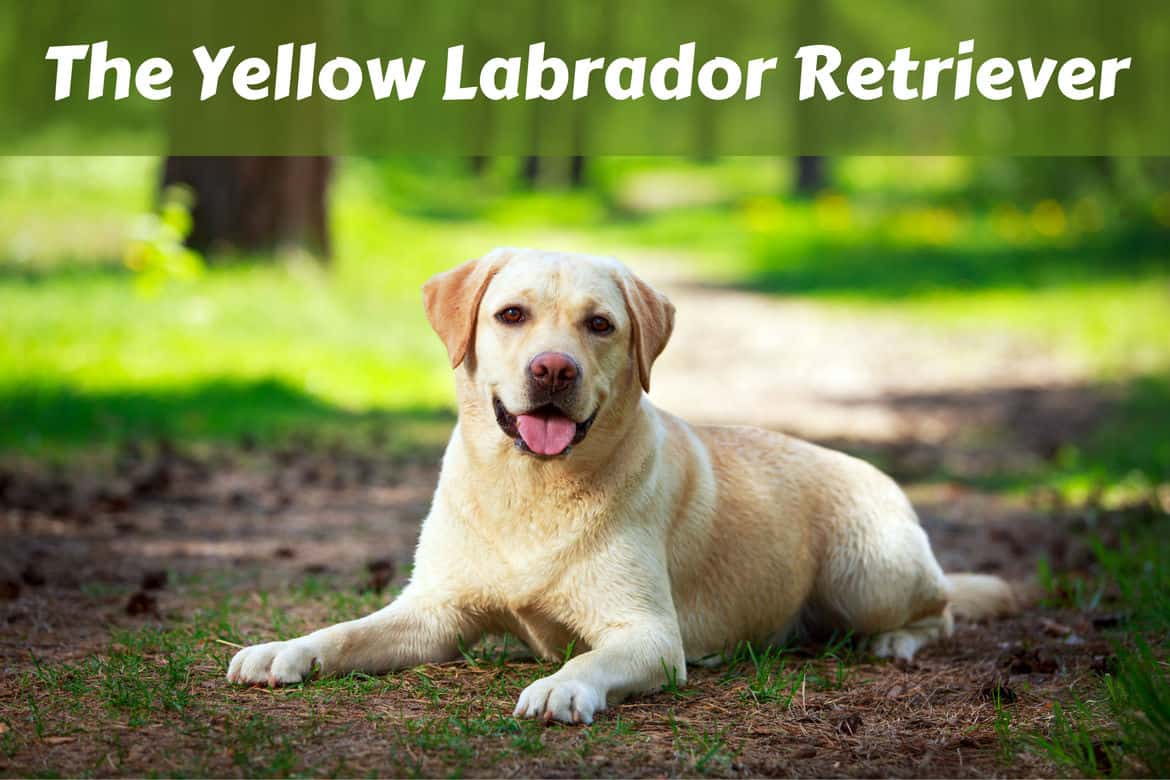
<point x="652" y="542"/>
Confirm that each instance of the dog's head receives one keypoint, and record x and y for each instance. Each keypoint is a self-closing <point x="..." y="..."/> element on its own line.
<point x="549" y="342"/>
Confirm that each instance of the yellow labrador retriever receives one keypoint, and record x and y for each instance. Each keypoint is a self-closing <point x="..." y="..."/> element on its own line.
<point x="571" y="510"/>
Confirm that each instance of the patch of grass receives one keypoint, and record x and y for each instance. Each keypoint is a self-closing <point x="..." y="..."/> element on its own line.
<point x="1127" y="459"/>
<point x="1111" y="326"/>
<point x="427" y="686"/>
<point x="772" y="680"/>
<point x="264" y="347"/>
<point x="1063" y="589"/>
<point x="491" y="652"/>
<point x="1072" y="742"/>
<point x="346" y="687"/>
<point x="263" y="747"/>
<point x="51" y="418"/>
<point x="345" y="604"/>
<point x="1008" y="743"/>
<point x="1123" y="725"/>
<point x="1082" y="277"/>
<point x="672" y="686"/>
<point x="457" y="737"/>
<point x="604" y="734"/>
<point x="140" y="675"/>
<point x="1140" y="696"/>
<point x="776" y="674"/>
<point x="704" y="751"/>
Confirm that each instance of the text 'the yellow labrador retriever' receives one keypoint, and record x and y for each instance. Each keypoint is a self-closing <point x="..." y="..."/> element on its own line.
<point x="570" y="509"/>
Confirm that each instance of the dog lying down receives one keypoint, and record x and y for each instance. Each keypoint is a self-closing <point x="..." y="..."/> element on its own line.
<point x="571" y="510"/>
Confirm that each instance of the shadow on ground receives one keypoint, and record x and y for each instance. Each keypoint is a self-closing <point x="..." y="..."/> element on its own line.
<point x="892" y="271"/>
<point x="48" y="272"/>
<point x="1015" y="437"/>
<point x="39" y="417"/>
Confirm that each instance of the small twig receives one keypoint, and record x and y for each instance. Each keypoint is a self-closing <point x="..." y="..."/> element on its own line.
<point x="229" y="644"/>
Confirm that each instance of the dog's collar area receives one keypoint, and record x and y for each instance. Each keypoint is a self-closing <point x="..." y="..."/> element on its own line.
<point x="508" y="424"/>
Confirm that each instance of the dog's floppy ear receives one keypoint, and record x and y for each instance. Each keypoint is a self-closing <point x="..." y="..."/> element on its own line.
<point x="652" y="318"/>
<point x="452" y="299"/>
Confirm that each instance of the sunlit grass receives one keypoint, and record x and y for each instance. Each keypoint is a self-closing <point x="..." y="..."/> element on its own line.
<point x="1073" y="279"/>
<point x="351" y="338"/>
<point x="1116" y="327"/>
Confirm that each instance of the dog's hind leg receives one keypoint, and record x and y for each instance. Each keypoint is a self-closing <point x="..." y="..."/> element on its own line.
<point x="880" y="579"/>
<point x="904" y="642"/>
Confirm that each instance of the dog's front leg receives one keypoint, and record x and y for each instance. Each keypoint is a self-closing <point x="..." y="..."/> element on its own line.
<point x="626" y="658"/>
<point x="416" y="628"/>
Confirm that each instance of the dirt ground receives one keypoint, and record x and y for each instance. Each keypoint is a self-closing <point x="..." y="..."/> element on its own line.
<point x="199" y="548"/>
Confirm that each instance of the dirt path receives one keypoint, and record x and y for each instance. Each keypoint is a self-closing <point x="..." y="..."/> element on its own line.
<point x="827" y="372"/>
<point x="112" y="572"/>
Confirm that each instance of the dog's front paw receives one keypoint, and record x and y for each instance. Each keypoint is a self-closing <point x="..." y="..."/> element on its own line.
<point x="274" y="663"/>
<point x="565" y="699"/>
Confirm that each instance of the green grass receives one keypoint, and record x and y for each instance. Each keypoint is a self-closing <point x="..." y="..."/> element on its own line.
<point x="703" y="750"/>
<point x="1120" y="726"/>
<point x="88" y="356"/>
<point x="1096" y="288"/>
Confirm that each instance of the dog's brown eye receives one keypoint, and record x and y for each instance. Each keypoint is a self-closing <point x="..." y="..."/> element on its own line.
<point x="513" y="315"/>
<point x="599" y="325"/>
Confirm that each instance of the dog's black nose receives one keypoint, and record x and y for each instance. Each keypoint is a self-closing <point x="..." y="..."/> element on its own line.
<point x="554" y="372"/>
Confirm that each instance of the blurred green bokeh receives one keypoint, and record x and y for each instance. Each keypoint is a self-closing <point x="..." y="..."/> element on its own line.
<point x="1074" y="254"/>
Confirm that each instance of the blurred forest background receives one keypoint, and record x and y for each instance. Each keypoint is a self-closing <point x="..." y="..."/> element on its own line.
<point x="222" y="409"/>
<point x="300" y="309"/>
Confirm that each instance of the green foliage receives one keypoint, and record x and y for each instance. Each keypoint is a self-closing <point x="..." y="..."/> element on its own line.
<point x="1073" y="743"/>
<point x="240" y="349"/>
<point x="156" y="252"/>
<point x="1127" y="459"/>
<point x="269" y="348"/>
<point x="1124" y="725"/>
<point x="1140" y="698"/>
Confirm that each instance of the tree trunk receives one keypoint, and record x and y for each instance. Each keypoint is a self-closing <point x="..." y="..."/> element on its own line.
<point x="255" y="204"/>
<point x="530" y="171"/>
<point x="810" y="176"/>
<point x="478" y="164"/>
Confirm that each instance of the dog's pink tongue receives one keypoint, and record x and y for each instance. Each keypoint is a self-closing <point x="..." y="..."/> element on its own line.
<point x="546" y="435"/>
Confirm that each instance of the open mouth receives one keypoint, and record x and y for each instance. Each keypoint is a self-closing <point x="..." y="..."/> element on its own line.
<point x="545" y="431"/>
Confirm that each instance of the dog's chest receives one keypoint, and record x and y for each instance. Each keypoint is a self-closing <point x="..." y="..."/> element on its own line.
<point x="529" y="578"/>
<point x="526" y="549"/>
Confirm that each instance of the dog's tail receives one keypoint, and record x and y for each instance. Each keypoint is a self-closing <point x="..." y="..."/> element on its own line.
<point x="982" y="596"/>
